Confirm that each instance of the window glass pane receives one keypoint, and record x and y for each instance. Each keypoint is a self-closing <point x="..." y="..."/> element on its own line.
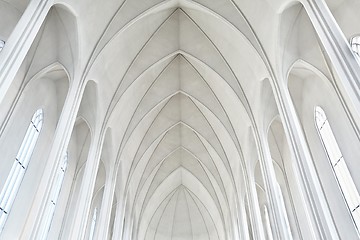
<point x="17" y="172"/>
<point x="347" y="184"/>
<point x="330" y="143"/>
<point x="338" y="163"/>
<point x="355" y="45"/>
<point x="54" y="195"/>
<point x="356" y="216"/>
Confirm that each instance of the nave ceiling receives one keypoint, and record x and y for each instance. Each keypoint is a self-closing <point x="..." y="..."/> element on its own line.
<point x="182" y="92"/>
<point x="177" y="80"/>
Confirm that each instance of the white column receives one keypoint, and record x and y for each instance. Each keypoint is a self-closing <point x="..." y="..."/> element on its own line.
<point x="338" y="50"/>
<point x="243" y="226"/>
<point x="82" y="208"/>
<point x="267" y="224"/>
<point x="254" y="211"/>
<point x="278" y="213"/>
<point x="118" y="222"/>
<point x="317" y="210"/>
<point x="60" y="142"/>
<point x="106" y="205"/>
<point x="235" y="224"/>
<point x="19" y="42"/>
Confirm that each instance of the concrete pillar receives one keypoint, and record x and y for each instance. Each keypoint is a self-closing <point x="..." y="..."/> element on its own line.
<point x="78" y="227"/>
<point x="255" y="216"/>
<point x="20" y="40"/>
<point x="235" y="234"/>
<point x="118" y="222"/>
<point x="280" y="221"/>
<point x="317" y="210"/>
<point x="267" y="224"/>
<point x="106" y="205"/>
<point x="243" y="224"/>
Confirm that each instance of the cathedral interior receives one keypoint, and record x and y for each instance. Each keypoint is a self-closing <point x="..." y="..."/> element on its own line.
<point x="180" y="119"/>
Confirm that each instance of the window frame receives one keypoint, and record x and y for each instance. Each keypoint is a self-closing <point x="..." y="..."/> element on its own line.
<point x="335" y="174"/>
<point x="18" y="170"/>
<point x="354" y="43"/>
<point x="54" y="194"/>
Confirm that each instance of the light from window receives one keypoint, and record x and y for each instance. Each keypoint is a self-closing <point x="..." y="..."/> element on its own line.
<point x="93" y="224"/>
<point x="19" y="167"/>
<point x="355" y="45"/>
<point x="337" y="161"/>
<point x="2" y="44"/>
<point x="54" y="195"/>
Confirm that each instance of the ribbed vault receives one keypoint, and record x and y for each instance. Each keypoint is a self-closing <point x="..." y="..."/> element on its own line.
<point x="179" y="119"/>
<point x="178" y="80"/>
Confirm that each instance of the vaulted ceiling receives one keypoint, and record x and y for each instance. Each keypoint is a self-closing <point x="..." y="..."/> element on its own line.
<point x="177" y="79"/>
<point x="183" y="87"/>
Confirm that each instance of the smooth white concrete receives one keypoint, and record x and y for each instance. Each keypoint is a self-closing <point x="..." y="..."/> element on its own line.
<point x="182" y="119"/>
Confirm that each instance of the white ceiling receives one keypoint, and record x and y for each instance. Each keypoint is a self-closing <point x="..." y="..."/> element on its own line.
<point x="178" y="83"/>
<point x="176" y="80"/>
<point x="181" y="86"/>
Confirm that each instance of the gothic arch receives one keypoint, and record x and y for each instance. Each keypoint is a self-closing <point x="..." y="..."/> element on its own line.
<point x="305" y="99"/>
<point x="48" y="91"/>
<point x="190" y="113"/>
<point x="78" y="153"/>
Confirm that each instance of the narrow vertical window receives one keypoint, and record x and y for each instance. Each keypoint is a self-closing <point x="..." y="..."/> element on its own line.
<point x="338" y="164"/>
<point x="54" y="195"/>
<point x="17" y="172"/>
<point x="355" y="45"/>
<point x="93" y="224"/>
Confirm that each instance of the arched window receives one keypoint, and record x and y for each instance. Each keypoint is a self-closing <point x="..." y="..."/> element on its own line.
<point x="338" y="164"/>
<point x="93" y="224"/>
<point x="54" y="195"/>
<point x="19" y="167"/>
